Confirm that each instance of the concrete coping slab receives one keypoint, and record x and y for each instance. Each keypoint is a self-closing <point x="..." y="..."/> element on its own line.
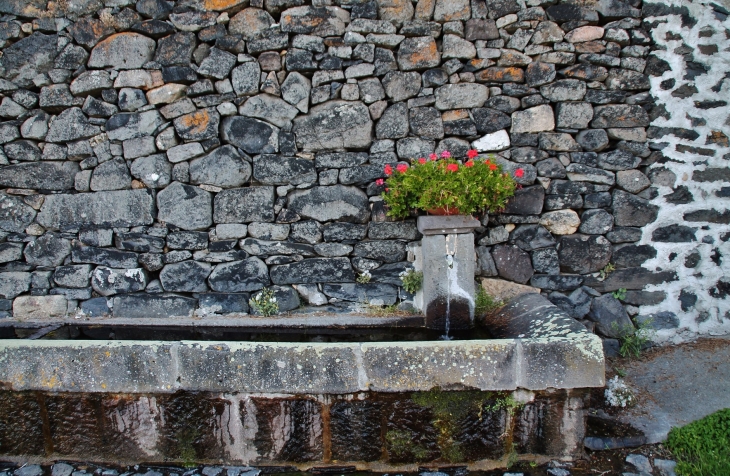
<point x="301" y="368"/>
<point x="447" y="225"/>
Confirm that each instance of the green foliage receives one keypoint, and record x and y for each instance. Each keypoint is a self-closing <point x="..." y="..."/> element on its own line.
<point x="619" y="294"/>
<point x="702" y="448"/>
<point x="634" y="340"/>
<point x="401" y="443"/>
<point x="451" y="408"/>
<point x="412" y="280"/>
<point x="484" y="303"/>
<point x="364" y="277"/>
<point x="608" y="269"/>
<point x="264" y="302"/>
<point x="472" y="187"/>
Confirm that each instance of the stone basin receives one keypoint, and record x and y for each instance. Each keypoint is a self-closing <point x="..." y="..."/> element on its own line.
<point x="379" y="406"/>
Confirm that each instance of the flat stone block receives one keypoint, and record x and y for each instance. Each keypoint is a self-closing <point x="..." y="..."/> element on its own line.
<point x="275" y="368"/>
<point x="87" y="366"/>
<point x="39" y="307"/>
<point x="447" y="225"/>
<point x="421" y="366"/>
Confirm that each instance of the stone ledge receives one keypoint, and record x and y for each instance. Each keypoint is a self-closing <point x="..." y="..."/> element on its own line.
<point x="154" y="367"/>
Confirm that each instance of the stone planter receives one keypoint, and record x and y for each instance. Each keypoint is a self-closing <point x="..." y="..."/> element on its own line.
<point x="447" y="261"/>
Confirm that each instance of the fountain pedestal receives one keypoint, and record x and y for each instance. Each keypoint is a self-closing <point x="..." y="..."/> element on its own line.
<point x="447" y="261"/>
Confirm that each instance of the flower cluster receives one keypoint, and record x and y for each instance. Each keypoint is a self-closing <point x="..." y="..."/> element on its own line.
<point x="618" y="394"/>
<point x="444" y="183"/>
<point x="264" y="303"/>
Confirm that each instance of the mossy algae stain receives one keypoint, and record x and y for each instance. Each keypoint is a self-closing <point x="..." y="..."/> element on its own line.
<point x="450" y="409"/>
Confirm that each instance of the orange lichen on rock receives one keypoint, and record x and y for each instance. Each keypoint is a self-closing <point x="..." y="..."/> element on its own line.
<point x="502" y="75"/>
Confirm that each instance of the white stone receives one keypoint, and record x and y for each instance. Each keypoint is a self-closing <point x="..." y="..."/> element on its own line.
<point x="492" y="142"/>
<point x="536" y="119"/>
<point x="561" y="222"/>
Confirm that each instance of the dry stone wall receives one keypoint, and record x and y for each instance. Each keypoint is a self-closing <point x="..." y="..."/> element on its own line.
<point x="165" y="157"/>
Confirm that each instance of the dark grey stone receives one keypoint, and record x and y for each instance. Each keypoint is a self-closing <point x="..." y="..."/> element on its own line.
<point x="551" y="168"/>
<point x="485" y="264"/>
<point x="545" y="261"/>
<point x="40" y="175"/>
<point x="251" y="135"/>
<point x="14" y="283"/>
<point x="15" y="215"/>
<point x="617" y="160"/>
<point x="538" y="73"/>
<point x="130" y="125"/>
<point x="610" y="317"/>
<point x="342" y="231"/>
<point x="630" y="256"/>
<point x="597" y="200"/>
<point x="104" y="256"/>
<point x="263" y="247"/>
<point x="109" y="281"/>
<point x="619" y="115"/>
<point x="10" y="252"/>
<point x="217" y="64"/>
<point x="400" y="86"/>
<point x="224" y="303"/>
<point x="576" y="305"/>
<point x="531" y="237"/>
<point x="314" y="270"/>
<point x="29" y="57"/>
<point x="403" y="230"/>
<point x="175" y="49"/>
<point x="554" y="282"/>
<point x="95" y="307"/>
<point x="48" y="250"/>
<point x="139" y="242"/>
<point x="278" y="170"/>
<point x="185" y="206"/>
<point x="596" y="222"/>
<point x="388" y="251"/>
<point x="334" y="125"/>
<point x="490" y="120"/>
<point x="630" y="210"/>
<point x="583" y="254"/>
<point x="153" y="305"/>
<point x="373" y="293"/>
<point x="621" y="234"/>
<point x="333" y="203"/>
<point x="307" y="231"/>
<point x="225" y="167"/>
<point x="187" y="240"/>
<point x="111" y="175"/>
<point x="526" y="201"/>
<point x="674" y="233"/>
<point x="361" y="174"/>
<point x="658" y="321"/>
<point x="22" y="150"/>
<point x="512" y="263"/>
<point x="424" y="122"/>
<point x="155" y="171"/>
<point x="243" y="205"/>
<point x="186" y="276"/>
<point x="250" y="274"/>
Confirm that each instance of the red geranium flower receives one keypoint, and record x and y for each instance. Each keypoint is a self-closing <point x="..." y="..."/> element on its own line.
<point x="433" y="156"/>
<point x="492" y="166"/>
<point x="472" y="153"/>
<point x="379" y="182"/>
<point x="469" y="163"/>
<point x="401" y="168"/>
<point x="446" y="154"/>
<point x="421" y="161"/>
<point x="452" y="167"/>
<point x="388" y="170"/>
<point x="519" y="173"/>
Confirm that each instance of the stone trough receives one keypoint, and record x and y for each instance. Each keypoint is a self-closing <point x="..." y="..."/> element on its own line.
<point x="379" y="406"/>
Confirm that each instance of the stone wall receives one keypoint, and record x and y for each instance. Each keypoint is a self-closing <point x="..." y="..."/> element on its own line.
<point x="164" y="157"/>
<point x="691" y="177"/>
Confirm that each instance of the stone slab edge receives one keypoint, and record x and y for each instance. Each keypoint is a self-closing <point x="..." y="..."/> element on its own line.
<point x="293" y="368"/>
